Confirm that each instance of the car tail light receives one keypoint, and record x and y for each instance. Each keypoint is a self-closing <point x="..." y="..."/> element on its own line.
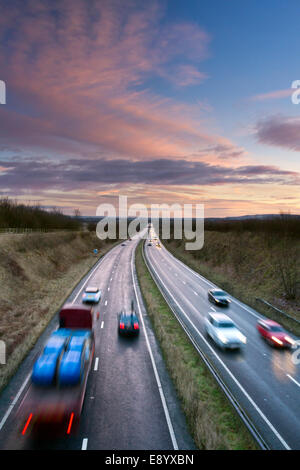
<point x="136" y="326"/>
<point x="27" y="423"/>
<point x="122" y="326"/>
<point x="277" y="340"/>
<point x="70" y="423"/>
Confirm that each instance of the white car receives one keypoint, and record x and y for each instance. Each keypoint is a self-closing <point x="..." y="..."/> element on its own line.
<point x="92" y="295"/>
<point x="224" y="332"/>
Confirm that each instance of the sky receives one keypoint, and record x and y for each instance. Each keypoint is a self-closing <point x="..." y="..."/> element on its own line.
<point x="165" y="102"/>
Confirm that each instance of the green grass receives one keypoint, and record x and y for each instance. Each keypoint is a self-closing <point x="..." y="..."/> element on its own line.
<point x="213" y="423"/>
<point x="37" y="273"/>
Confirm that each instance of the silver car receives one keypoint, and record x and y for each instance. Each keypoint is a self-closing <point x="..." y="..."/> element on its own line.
<point x="224" y="332"/>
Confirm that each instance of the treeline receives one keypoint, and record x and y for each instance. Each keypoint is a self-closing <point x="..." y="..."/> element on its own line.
<point x="16" y="215"/>
<point x="275" y="224"/>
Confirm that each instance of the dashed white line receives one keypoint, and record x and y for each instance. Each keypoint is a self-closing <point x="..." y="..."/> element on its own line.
<point x="84" y="444"/>
<point x="105" y="302"/>
<point x="96" y="363"/>
<point x="195" y="292"/>
<point x="102" y="324"/>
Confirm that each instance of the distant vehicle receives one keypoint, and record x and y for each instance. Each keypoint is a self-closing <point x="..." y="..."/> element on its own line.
<point x="91" y="295"/>
<point x="128" y="323"/>
<point x="123" y="244"/>
<point x="224" y="332"/>
<point x="218" y="297"/>
<point x="274" y="334"/>
<point x="149" y="244"/>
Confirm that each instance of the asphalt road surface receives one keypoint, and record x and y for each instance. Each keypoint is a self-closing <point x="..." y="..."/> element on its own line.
<point x="130" y="402"/>
<point x="264" y="381"/>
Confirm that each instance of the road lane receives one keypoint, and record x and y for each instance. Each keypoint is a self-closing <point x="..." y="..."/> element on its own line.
<point x="260" y="370"/>
<point x="123" y="408"/>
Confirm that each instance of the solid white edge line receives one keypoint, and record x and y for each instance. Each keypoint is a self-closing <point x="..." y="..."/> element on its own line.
<point x="162" y="396"/>
<point x="226" y="369"/>
<point x="292" y="378"/>
<point x="11" y="406"/>
<point x="84" y="443"/>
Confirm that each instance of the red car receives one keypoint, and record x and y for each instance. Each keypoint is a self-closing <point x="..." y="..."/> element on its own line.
<point x="274" y="334"/>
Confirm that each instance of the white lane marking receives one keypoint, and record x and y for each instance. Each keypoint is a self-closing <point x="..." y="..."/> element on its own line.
<point x="111" y="278"/>
<point x="160" y="389"/>
<point x="183" y="282"/>
<point x="105" y="302"/>
<point x="226" y="368"/>
<point x="102" y="324"/>
<point x="213" y="309"/>
<point x="195" y="292"/>
<point x="96" y="363"/>
<point x="84" y="444"/>
<point x="10" y="408"/>
<point x="292" y="378"/>
<point x="108" y="288"/>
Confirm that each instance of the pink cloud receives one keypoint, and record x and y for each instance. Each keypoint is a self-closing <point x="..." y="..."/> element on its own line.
<point x="75" y="72"/>
<point x="273" y="95"/>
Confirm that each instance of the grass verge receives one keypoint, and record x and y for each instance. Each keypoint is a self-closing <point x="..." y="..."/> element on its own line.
<point x="212" y="422"/>
<point x="37" y="273"/>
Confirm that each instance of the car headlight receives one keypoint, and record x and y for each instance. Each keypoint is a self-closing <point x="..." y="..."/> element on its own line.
<point x="223" y="338"/>
<point x="242" y="338"/>
<point x="289" y="340"/>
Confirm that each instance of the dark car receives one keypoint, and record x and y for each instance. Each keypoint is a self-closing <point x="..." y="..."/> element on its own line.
<point x="218" y="297"/>
<point x="128" y="323"/>
<point x="274" y="334"/>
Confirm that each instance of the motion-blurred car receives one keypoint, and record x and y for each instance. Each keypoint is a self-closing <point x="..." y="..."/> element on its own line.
<point x="128" y="323"/>
<point x="91" y="295"/>
<point x="224" y="332"/>
<point x="274" y="334"/>
<point x="218" y="297"/>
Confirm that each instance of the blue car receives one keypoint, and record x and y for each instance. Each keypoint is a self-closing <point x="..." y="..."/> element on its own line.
<point x="91" y="295"/>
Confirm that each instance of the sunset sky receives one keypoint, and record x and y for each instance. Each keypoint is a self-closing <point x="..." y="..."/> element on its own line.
<point x="159" y="101"/>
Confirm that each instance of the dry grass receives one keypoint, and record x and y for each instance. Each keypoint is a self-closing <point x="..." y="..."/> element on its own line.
<point x="212" y="421"/>
<point x="37" y="273"/>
